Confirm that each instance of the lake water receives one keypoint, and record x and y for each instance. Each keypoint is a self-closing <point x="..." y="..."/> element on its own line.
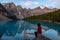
<point x="15" y="30"/>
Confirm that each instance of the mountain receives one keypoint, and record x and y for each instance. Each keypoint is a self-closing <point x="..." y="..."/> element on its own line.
<point x="46" y="10"/>
<point x="36" y="11"/>
<point x="17" y="12"/>
<point x="24" y="12"/>
<point x="3" y="13"/>
<point x="39" y="11"/>
<point x="20" y="11"/>
<point x="51" y="16"/>
<point x="3" y="18"/>
<point x="11" y="8"/>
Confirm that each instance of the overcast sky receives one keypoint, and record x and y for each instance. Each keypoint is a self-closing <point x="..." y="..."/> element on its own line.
<point x="35" y="3"/>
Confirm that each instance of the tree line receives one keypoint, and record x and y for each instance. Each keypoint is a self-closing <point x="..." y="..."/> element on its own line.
<point x="53" y="16"/>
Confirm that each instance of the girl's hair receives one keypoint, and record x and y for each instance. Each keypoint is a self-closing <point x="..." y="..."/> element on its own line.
<point x="38" y="24"/>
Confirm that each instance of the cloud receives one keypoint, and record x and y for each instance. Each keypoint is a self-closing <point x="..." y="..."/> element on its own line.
<point x="43" y="6"/>
<point x="49" y="0"/>
<point x="46" y="5"/>
<point x="49" y="3"/>
<point x="52" y="3"/>
<point x="6" y="1"/>
<point x="57" y="3"/>
<point x="30" y="3"/>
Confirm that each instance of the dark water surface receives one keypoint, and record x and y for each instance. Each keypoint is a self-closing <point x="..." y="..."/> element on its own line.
<point x="14" y="30"/>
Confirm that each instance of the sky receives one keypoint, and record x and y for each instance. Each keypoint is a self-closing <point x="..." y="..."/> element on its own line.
<point x="35" y="3"/>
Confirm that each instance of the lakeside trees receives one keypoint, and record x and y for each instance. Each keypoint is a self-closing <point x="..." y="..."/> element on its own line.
<point x="53" y="16"/>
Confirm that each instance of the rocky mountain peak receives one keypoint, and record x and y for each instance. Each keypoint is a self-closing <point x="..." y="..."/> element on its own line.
<point x="46" y="8"/>
<point x="37" y="8"/>
<point x="20" y="12"/>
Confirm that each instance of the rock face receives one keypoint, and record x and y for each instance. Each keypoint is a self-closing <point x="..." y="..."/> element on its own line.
<point x="46" y="10"/>
<point x="39" y="11"/>
<point x="3" y="18"/>
<point x="3" y="13"/>
<point x="11" y="8"/>
<point x="34" y="12"/>
<point x="20" y="11"/>
<point x="24" y="12"/>
<point x="17" y="12"/>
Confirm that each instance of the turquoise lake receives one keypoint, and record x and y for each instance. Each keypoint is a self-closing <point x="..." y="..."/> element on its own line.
<point x="14" y="30"/>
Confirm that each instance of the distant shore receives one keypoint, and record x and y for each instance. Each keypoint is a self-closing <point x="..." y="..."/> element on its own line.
<point x="51" y="21"/>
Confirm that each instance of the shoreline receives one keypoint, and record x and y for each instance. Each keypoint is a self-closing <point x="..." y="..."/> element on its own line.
<point x="51" y="21"/>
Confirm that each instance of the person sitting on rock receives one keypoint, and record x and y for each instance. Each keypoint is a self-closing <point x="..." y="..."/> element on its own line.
<point x="39" y="30"/>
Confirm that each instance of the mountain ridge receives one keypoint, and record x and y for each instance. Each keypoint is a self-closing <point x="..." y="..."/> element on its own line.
<point x="22" y="13"/>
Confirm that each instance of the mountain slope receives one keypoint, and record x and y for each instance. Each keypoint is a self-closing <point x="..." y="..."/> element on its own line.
<point x="3" y="18"/>
<point x="53" y="16"/>
<point x="17" y="12"/>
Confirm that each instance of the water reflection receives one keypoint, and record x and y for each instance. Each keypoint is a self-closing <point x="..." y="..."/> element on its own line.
<point x="53" y="34"/>
<point x="14" y="30"/>
<point x="9" y="28"/>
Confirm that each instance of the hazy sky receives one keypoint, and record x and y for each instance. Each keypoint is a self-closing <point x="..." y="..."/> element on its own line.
<point x="35" y="3"/>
